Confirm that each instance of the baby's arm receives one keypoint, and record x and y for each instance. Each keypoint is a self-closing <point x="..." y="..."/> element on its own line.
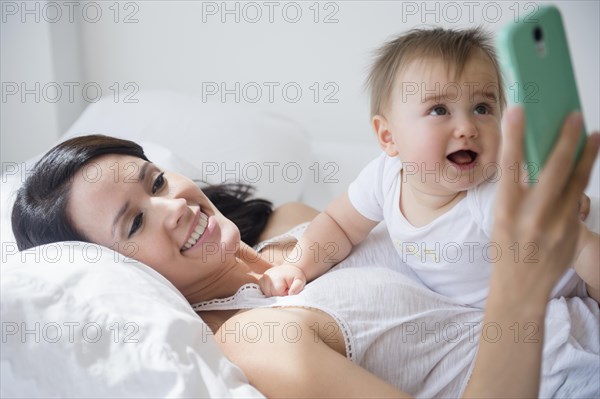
<point x="327" y="241"/>
<point x="587" y="261"/>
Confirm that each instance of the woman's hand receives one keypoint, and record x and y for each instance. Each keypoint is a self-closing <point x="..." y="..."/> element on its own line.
<point x="535" y="233"/>
<point x="282" y="280"/>
<point x="536" y="227"/>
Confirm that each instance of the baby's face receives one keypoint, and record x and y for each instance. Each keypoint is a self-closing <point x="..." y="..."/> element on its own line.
<point x="445" y="129"/>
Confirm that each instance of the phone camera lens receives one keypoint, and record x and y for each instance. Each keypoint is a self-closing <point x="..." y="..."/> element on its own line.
<point x="537" y="34"/>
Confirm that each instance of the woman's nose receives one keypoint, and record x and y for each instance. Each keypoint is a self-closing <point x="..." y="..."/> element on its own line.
<point x="174" y="210"/>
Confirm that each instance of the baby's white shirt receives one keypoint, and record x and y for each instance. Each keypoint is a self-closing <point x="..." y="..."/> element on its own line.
<point x="453" y="254"/>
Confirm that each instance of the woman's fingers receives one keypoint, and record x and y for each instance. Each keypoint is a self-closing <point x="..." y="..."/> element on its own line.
<point x="557" y="171"/>
<point x="583" y="170"/>
<point x="541" y="217"/>
<point x="511" y="157"/>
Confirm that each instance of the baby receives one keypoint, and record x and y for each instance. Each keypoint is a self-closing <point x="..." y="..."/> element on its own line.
<point x="436" y="107"/>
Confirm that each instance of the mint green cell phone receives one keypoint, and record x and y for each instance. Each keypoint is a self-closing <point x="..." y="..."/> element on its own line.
<point x="534" y="54"/>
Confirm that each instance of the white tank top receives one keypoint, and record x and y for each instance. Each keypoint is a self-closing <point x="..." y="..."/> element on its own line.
<point x="413" y="338"/>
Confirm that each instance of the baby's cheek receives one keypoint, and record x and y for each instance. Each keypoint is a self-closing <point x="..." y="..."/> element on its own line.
<point x="423" y="149"/>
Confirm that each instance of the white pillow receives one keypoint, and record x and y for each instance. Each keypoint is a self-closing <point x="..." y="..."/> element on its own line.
<point x="79" y="320"/>
<point x="222" y="141"/>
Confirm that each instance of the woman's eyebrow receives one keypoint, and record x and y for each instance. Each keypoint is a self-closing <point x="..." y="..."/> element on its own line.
<point x="123" y="209"/>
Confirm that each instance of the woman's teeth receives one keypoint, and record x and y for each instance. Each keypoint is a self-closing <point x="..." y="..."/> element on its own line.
<point x="197" y="233"/>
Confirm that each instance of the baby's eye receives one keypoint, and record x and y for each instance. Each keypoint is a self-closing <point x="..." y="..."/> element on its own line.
<point x="137" y="223"/>
<point x="438" y="110"/>
<point x="159" y="182"/>
<point x="482" y="109"/>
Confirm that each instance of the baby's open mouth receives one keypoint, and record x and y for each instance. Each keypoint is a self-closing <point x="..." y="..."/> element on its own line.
<point x="462" y="157"/>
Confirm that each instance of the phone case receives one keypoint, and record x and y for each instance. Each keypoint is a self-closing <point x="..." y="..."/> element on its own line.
<point x="535" y="60"/>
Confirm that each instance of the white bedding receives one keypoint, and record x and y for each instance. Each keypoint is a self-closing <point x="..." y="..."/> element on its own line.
<point x="71" y="312"/>
<point x="79" y="320"/>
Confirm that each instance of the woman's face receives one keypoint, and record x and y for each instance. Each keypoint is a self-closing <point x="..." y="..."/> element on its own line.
<point x="159" y="218"/>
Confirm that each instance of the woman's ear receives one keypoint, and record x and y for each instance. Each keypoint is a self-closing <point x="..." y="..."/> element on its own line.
<point x="384" y="135"/>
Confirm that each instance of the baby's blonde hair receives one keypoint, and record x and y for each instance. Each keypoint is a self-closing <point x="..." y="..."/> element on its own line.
<point x="453" y="47"/>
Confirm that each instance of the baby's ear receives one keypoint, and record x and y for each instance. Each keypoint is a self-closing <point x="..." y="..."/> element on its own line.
<point x="384" y="135"/>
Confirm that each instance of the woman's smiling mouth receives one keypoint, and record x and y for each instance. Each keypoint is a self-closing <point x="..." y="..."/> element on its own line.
<point x="197" y="232"/>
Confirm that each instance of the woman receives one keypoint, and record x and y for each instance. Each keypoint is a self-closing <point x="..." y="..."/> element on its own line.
<point x="310" y="344"/>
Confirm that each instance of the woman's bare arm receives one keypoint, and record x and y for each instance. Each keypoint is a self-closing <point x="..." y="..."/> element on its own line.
<point x="283" y="356"/>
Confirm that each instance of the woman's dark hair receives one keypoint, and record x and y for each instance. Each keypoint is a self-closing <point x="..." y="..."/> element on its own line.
<point x="39" y="214"/>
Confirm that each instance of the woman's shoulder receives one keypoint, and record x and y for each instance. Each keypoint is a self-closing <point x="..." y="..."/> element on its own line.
<point x="286" y="217"/>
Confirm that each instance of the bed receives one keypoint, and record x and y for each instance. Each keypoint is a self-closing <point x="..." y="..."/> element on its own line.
<point x="80" y="320"/>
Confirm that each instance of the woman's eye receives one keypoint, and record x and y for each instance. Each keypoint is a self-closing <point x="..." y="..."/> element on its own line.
<point x="137" y="223"/>
<point x="438" y="110"/>
<point x="159" y="182"/>
<point x="482" y="109"/>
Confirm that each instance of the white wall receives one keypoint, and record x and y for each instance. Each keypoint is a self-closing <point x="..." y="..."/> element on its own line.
<point x="26" y="58"/>
<point x="184" y="46"/>
<point x="38" y="60"/>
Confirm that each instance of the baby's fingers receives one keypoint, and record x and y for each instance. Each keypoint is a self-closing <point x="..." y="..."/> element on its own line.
<point x="296" y="286"/>
<point x="265" y="285"/>
<point x="279" y="287"/>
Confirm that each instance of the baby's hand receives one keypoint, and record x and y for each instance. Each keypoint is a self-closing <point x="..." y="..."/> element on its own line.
<point x="584" y="207"/>
<point x="282" y="280"/>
